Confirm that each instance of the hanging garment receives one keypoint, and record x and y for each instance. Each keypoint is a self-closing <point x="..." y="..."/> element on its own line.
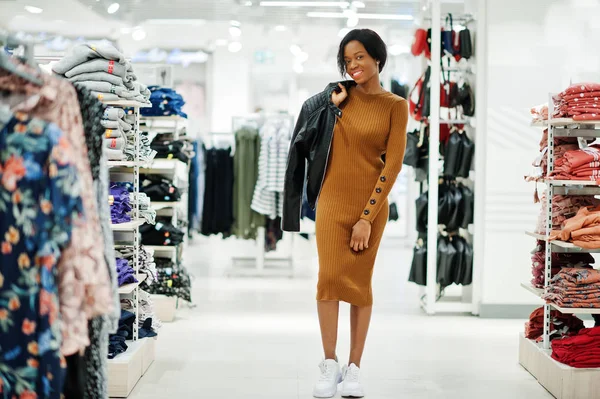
<point x="91" y="116"/>
<point x="218" y="195"/>
<point x="37" y="173"/>
<point x="275" y="143"/>
<point x="245" y="161"/>
<point x="84" y="282"/>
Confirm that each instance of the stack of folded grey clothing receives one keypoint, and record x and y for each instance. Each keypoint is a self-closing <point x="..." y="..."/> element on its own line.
<point x="104" y="70"/>
<point x="117" y="134"/>
<point x="119" y="139"/>
<point x="145" y="210"/>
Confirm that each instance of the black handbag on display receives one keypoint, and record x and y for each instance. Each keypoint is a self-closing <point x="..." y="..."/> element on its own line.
<point x="466" y="99"/>
<point x="418" y="268"/>
<point x="466" y="158"/>
<point x="459" y="245"/>
<point x="455" y="216"/>
<point x="466" y="44"/>
<point x="446" y="261"/>
<point x="467" y="275"/>
<point x="393" y="214"/>
<point x="452" y="154"/>
<point x="421" y="206"/>
<point x="466" y="205"/>
<point x="412" y="153"/>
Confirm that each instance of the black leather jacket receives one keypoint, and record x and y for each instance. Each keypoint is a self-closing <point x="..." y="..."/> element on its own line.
<point x="310" y="147"/>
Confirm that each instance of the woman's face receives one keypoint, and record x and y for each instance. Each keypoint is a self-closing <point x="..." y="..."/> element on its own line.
<point x="360" y="66"/>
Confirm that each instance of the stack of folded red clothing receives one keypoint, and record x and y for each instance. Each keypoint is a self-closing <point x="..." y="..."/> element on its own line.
<point x="563" y="208"/>
<point x="581" y="164"/>
<point x="579" y="101"/>
<point x="583" y="229"/>
<point x="580" y="351"/>
<point x="559" y="260"/>
<point x="561" y="325"/>
<point x="574" y="288"/>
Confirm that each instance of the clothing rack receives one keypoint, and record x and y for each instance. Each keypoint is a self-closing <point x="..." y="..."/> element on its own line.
<point x="559" y="379"/>
<point x="262" y="264"/>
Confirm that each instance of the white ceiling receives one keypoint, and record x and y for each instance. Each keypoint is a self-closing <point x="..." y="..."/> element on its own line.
<point x="136" y="11"/>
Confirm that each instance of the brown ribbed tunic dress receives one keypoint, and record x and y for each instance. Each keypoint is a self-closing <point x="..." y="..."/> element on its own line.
<point x="356" y="185"/>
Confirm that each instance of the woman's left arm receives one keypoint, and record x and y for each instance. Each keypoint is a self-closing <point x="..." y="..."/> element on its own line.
<point x="394" y="156"/>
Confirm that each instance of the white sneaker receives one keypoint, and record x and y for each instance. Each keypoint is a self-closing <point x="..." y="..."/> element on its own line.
<point x="329" y="379"/>
<point x="351" y="386"/>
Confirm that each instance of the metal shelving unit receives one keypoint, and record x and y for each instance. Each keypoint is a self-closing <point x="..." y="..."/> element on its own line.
<point x="559" y="379"/>
<point x="125" y="370"/>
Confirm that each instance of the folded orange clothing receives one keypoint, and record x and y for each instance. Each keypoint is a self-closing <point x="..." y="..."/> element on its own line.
<point x="584" y="217"/>
<point x="592" y="230"/>
<point x="578" y="276"/>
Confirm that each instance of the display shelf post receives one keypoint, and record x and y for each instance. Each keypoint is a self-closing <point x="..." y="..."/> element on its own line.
<point x="434" y="164"/>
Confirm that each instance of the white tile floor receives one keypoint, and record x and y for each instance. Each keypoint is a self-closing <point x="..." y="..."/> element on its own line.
<point x="259" y="338"/>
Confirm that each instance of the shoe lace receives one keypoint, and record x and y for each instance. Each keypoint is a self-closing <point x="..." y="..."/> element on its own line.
<point x="326" y="372"/>
<point x="352" y="374"/>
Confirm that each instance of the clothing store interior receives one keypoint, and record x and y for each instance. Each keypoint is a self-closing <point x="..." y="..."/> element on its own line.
<point x="171" y="224"/>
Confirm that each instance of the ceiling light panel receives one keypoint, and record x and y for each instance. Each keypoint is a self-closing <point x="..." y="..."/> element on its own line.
<point x="342" y="4"/>
<point x="397" y="17"/>
<point x="34" y="10"/>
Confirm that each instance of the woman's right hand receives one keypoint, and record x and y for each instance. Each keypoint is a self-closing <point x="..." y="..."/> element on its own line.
<point x="338" y="98"/>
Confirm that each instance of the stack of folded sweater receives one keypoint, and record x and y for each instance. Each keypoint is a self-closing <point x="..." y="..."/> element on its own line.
<point x="159" y="189"/>
<point x="574" y="288"/>
<point x="165" y="102"/>
<point x="104" y="70"/>
<point x="583" y="229"/>
<point x="559" y="260"/>
<point x="580" y="351"/>
<point x="166" y="147"/>
<point x="173" y="280"/>
<point x="579" y="164"/>
<point x="163" y="233"/>
<point x="120" y="204"/>
<point x="563" y="208"/>
<point x="561" y="325"/>
<point x="125" y="272"/>
<point x="579" y="101"/>
<point x="117" y="133"/>
<point x="146" y="263"/>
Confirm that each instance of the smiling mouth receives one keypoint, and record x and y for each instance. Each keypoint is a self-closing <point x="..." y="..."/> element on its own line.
<point x="357" y="74"/>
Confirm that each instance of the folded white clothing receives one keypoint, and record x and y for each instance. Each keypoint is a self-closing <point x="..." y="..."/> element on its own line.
<point x="113" y="114"/>
<point x="98" y="65"/>
<point x="120" y="124"/>
<point x="82" y="53"/>
<point x="98" y="77"/>
<point x="114" y="155"/>
<point x="113" y="133"/>
<point x="115" y="144"/>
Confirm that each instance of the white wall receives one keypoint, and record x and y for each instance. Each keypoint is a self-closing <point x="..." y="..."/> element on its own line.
<point x="534" y="47"/>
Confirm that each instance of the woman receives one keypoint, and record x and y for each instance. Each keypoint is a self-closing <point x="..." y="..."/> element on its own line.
<point x="343" y="133"/>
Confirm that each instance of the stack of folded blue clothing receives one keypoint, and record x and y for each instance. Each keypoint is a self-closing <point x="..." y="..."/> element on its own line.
<point x="104" y="70"/>
<point x="120" y="204"/>
<point x="165" y="102"/>
<point x="125" y="273"/>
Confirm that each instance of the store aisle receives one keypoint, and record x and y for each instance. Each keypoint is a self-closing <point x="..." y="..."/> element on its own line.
<point x="259" y="338"/>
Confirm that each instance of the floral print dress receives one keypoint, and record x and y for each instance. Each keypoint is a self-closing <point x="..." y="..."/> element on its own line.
<point x="39" y="197"/>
